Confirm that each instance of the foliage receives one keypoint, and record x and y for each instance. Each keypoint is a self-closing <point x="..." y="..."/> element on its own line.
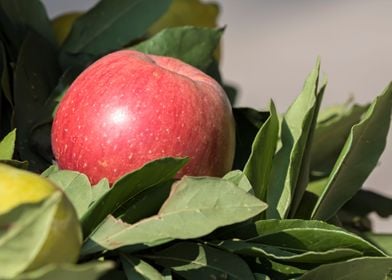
<point x="291" y="208"/>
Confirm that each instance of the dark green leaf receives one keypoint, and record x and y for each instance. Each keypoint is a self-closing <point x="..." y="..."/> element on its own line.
<point x="196" y="206"/>
<point x="111" y="24"/>
<point x="7" y="146"/>
<point x="295" y="130"/>
<point x="195" y="261"/>
<point x="86" y="271"/>
<point x="333" y="124"/>
<point x="23" y="231"/>
<point x="19" y="17"/>
<point x="6" y="102"/>
<point x="278" y="253"/>
<point x="356" y="269"/>
<point x="273" y="269"/>
<point x="248" y="122"/>
<point x="77" y="188"/>
<point x="382" y="241"/>
<point x="366" y="202"/>
<point x="129" y="186"/>
<point x="258" y="166"/>
<point x="358" y="158"/>
<point x="193" y="45"/>
<point x="145" y="204"/>
<point x="16" y="163"/>
<point x="137" y="269"/>
<point x="36" y="75"/>
<point x="302" y="236"/>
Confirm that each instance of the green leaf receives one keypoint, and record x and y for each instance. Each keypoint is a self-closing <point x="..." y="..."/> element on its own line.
<point x="196" y="206"/>
<point x="356" y="269"/>
<point x="365" y="202"/>
<point x="196" y="261"/>
<point x="258" y="167"/>
<point x="187" y="12"/>
<point x="86" y="271"/>
<point x="137" y="269"/>
<point x="7" y="146"/>
<point x="19" y="17"/>
<point x="23" y="231"/>
<point x="333" y="123"/>
<point x="279" y="253"/>
<point x="273" y="269"/>
<point x="100" y="189"/>
<point x="144" y="204"/>
<point x="301" y="236"/>
<point x="358" y="158"/>
<point x="239" y="179"/>
<point x="382" y="241"/>
<point x="248" y="122"/>
<point x="129" y="186"/>
<point x="35" y="77"/>
<point x="77" y="188"/>
<point x="295" y="132"/>
<point x="303" y="177"/>
<point x="112" y="24"/>
<point x="193" y="45"/>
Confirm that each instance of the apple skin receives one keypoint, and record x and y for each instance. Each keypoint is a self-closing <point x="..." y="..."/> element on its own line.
<point x="129" y="108"/>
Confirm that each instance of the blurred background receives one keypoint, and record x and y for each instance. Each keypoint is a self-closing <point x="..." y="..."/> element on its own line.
<point x="269" y="47"/>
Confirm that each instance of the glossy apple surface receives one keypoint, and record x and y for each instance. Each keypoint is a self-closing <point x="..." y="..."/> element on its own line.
<point x="129" y="108"/>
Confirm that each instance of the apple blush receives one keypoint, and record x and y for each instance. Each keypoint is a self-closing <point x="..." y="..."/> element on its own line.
<point x="129" y="108"/>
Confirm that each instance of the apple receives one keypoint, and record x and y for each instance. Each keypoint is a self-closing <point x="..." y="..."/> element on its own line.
<point x="129" y="108"/>
<point x="63" y="238"/>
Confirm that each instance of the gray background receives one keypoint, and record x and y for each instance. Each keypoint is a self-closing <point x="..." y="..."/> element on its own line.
<point x="270" y="46"/>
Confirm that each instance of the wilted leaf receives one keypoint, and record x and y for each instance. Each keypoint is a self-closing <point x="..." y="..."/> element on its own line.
<point x="86" y="271"/>
<point x="358" y="158"/>
<point x="356" y="269"/>
<point x="258" y="167"/>
<point x="295" y="133"/>
<point x="195" y="207"/>
<point x="23" y="231"/>
<point x="7" y="146"/>
<point x="195" y="261"/>
<point x="193" y="45"/>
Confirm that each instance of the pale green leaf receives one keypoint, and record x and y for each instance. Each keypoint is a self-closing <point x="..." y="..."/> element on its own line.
<point x="358" y="158"/>
<point x="195" y="207"/>
<point x="23" y="231"/>
<point x="7" y="146"/>
<point x="287" y="164"/>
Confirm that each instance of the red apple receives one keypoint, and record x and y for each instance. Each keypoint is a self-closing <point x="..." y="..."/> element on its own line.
<point x="129" y="108"/>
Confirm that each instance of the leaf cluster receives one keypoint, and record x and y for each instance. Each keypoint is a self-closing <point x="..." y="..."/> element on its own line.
<point x="291" y="208"/>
